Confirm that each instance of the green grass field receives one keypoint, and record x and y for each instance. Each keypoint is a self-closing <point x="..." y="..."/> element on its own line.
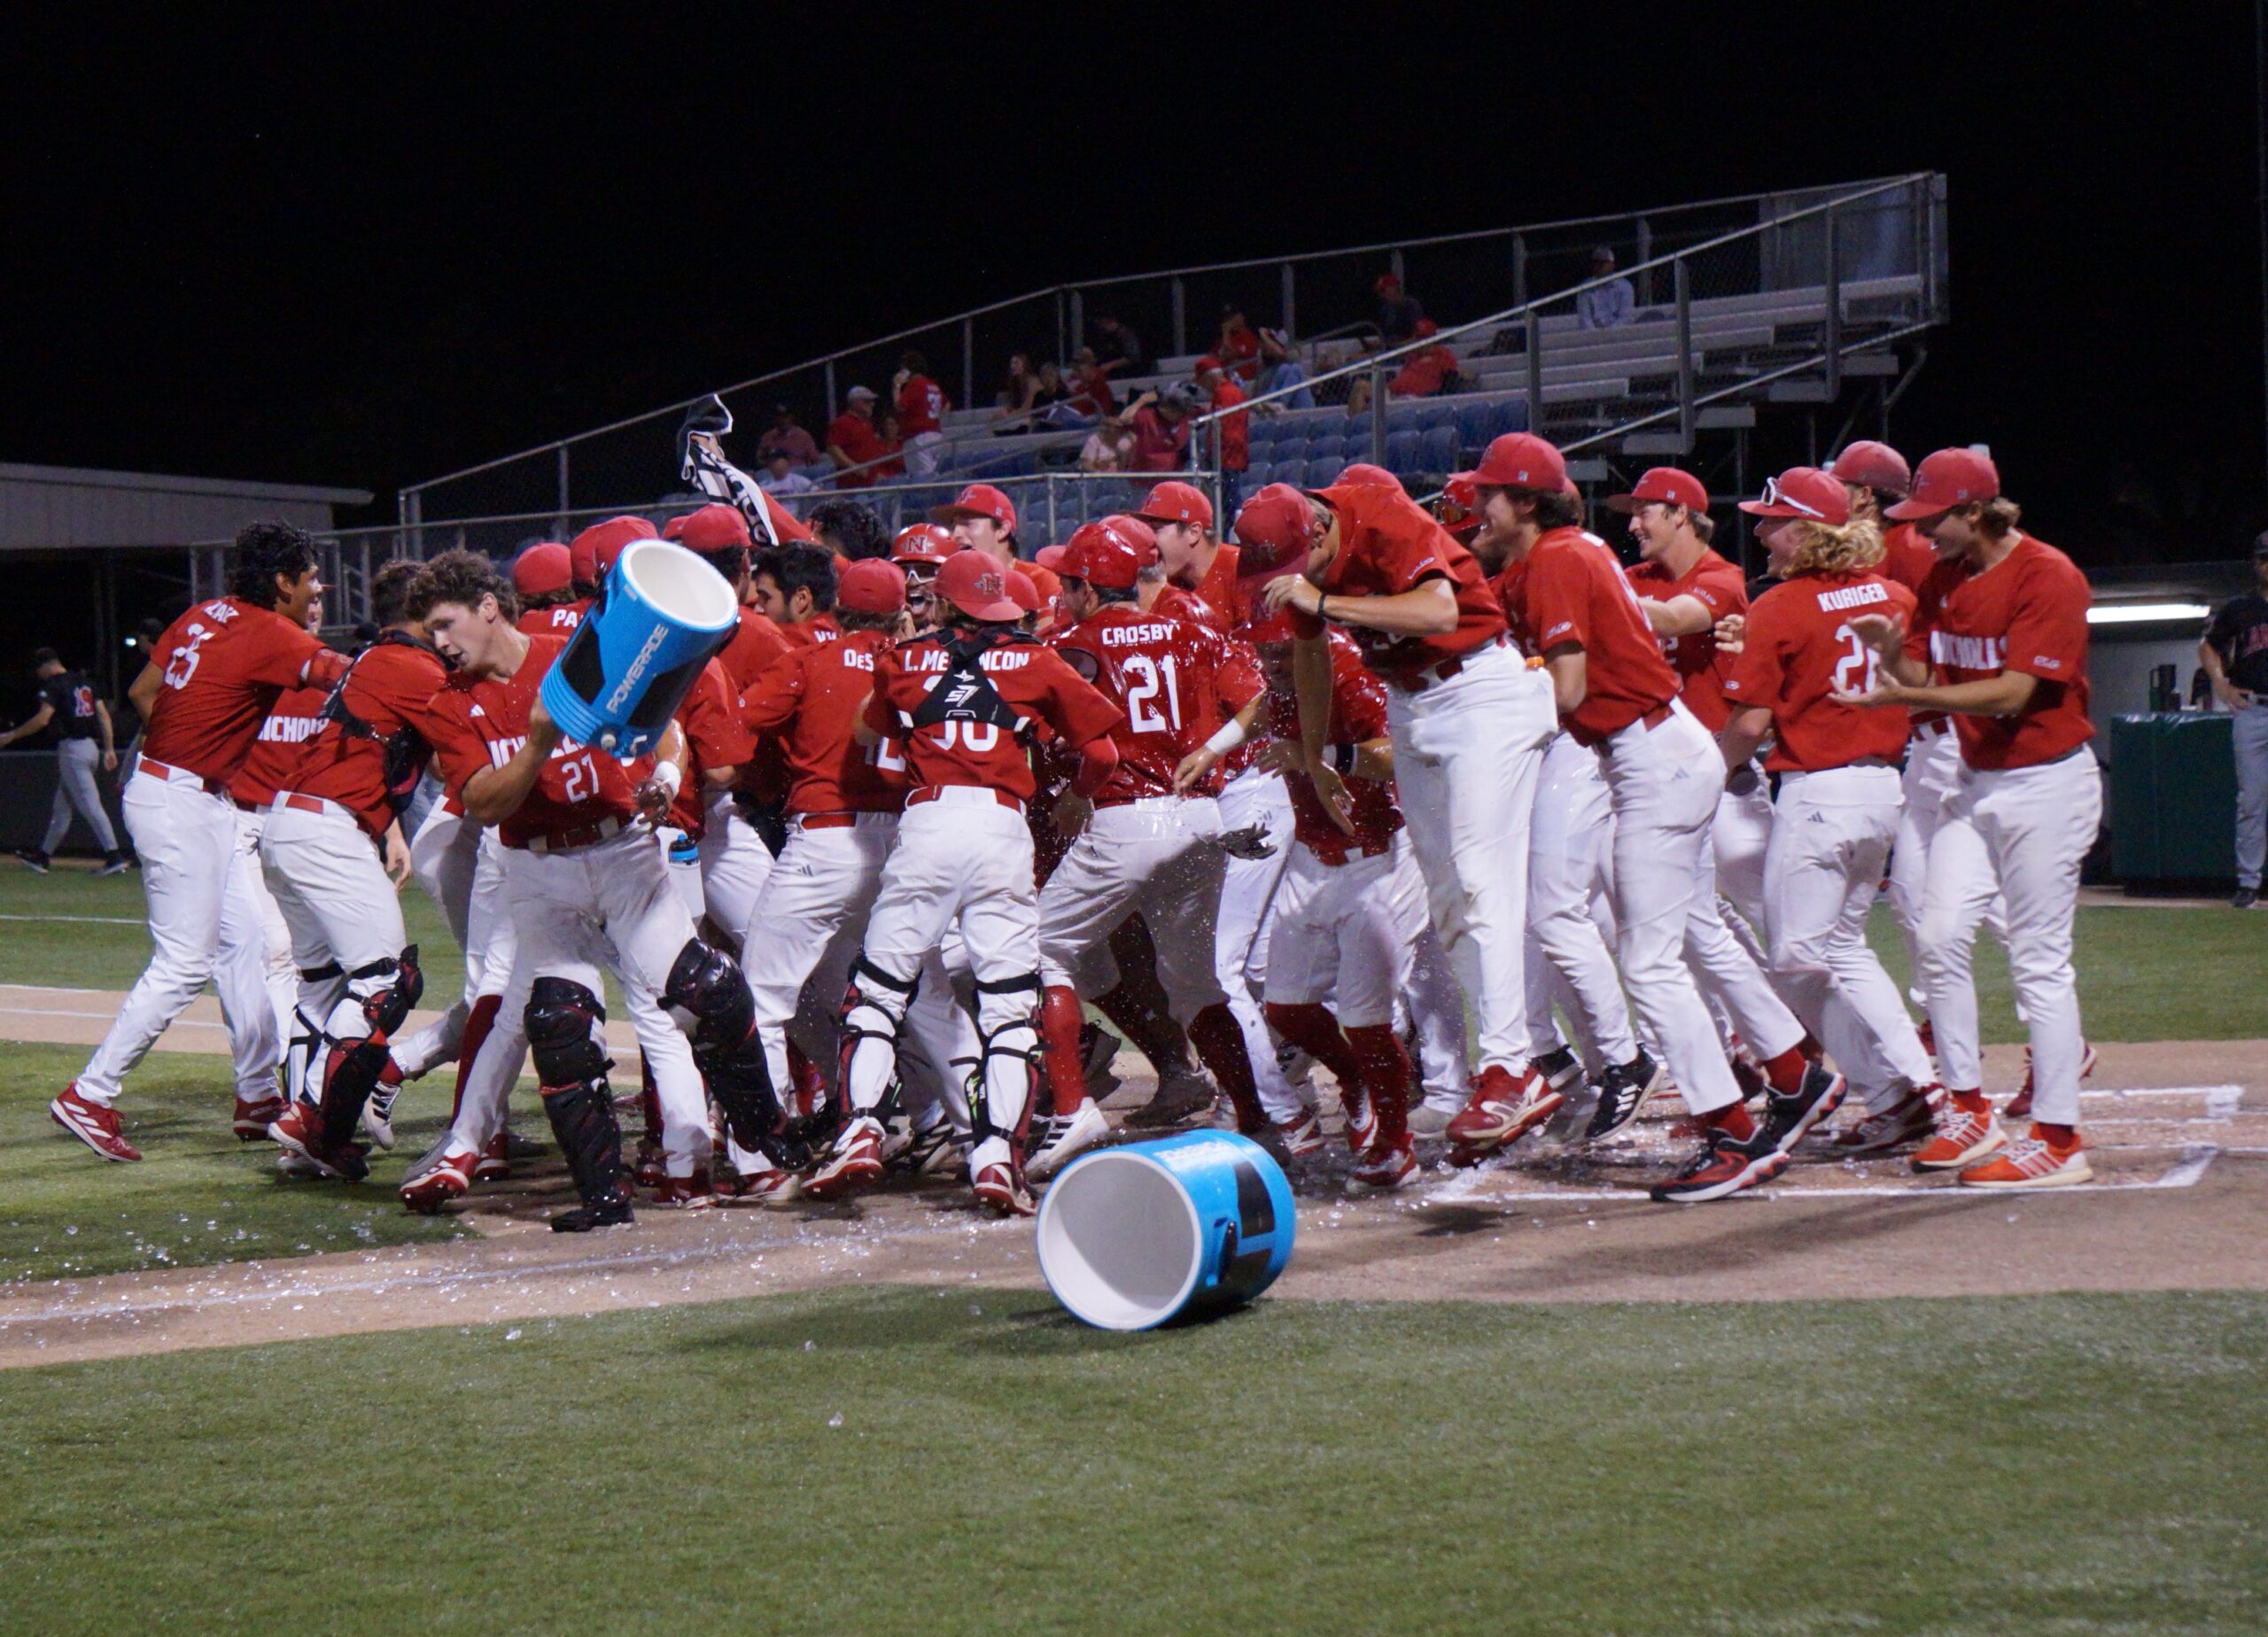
<point x="918" y="1460"/>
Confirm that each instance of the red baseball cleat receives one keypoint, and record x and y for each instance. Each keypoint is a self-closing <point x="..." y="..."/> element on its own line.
<point x="1502" y="1110"/>
<point x="93" y="1123"/>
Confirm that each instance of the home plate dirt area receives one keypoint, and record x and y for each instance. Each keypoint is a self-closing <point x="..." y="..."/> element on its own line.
<point x="2180" y="1133"/>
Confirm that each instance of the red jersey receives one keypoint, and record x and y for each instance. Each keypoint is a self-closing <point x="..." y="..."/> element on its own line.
<point x="1573" y="592"/>
<point x="1907" y="555"/>
<point x="819" y="628"/>
<point x="553" y="622"/>
<point x="965" y="713"/>
<point x="1174" y="681"/>
<point x="1236" y="430"/>
<point x="480" y="722"/>
<point x="1799" y="651"/>
<point x="1174" y="603"/>
<point x="1388" y="544"/>
<point x="858" y="437"/>
<point x="295" y="718"/>
<point x="1717" y="586"/>
<point x="2027" y="613"/>
<point x="1219" y="588"/>
<point x="752" y="651"/>
<point x="809" y="706"/>
<point x="223" y="663"/>
<point x="714" y="738"/>
<point x="371" y="757"/>
<point x="1357" y="716"/>
<point x="920" y="406"/>
<point x="1241" y="353"/>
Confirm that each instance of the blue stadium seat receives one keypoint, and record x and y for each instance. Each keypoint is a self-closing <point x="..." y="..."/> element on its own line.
<point x="1402" y="418"/>
<point x="1325" y="472"/>
<point x="1294" y="472"/>
<point x="1260" y="473"/>
<point x="1324" y="446"/>
<point x="1431" y="415"/>
<point x="1473" y="424"/>
<point x="1401" y="452"/>
<point x="1437" y="450"/>
<point x="1511" y="417"/>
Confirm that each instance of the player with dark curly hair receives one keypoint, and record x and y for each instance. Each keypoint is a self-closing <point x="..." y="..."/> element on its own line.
<point x="851" y="529"/>
<point x="212" y="679"/>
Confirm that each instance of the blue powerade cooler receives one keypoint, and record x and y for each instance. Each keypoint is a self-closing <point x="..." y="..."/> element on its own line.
<point x="1132" y="1236"/>
<point x="631" y="661"/>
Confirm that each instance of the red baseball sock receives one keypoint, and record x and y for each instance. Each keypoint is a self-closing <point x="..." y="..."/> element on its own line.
<point x="1220" y="1047"/>
<point x="1732" y="1120"/>
<point x="476" y="1025"/>
<point x="1971" y="1102"/>
<point x="1310" y="1027"/>
<point x="1059" y="1018"/>
<point x="1386" y="1077"/>
<point x="2061" y="1138"/>
<point x="1786" y="1071"/>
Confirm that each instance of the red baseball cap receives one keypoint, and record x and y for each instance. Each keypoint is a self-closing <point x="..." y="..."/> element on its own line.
<point x="979" y="500"/>
<point x="1425" y="327"/>
<point x="1667" y="484"/>
<point x="1051" y="557"/>
<point x="870" y="585"/>
<point x="922" y="542"/>
<point x="1177" y="502"/>
<point x="1948" y="478"/>
<point x="717" y="527"/>
<point x="542" y="569"/>
<point x="1204" y="367"/>
<point x="1275" y="530"/>
<point x="1803" y="491"/>
<point x="592" y="552"/>
<point x="1873" y="465"/>
<point x="1522" y="461"/>
<point x="1108" y="553"/>
<point x="1023" y="591"/>
<point x="978" y="586"/>
<point x="1363" y="472"/>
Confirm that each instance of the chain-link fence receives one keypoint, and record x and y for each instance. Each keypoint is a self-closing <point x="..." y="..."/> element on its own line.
<point x="1329" y="307"/>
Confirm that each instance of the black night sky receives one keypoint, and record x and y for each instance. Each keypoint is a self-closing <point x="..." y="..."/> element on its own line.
<point x="364" y="245"/>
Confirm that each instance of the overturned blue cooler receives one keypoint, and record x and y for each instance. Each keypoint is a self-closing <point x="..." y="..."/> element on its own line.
<point x="1132" y="1236"/>
<point x="628" y="666"/>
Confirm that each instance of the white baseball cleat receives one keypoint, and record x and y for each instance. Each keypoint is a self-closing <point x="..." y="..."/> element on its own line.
<point x="1067" y="1137"/>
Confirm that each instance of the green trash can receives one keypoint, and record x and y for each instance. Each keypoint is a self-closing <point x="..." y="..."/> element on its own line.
<point x="2172" y="799"/>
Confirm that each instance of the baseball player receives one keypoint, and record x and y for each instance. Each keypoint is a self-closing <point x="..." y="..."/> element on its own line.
<point x="211" y="680"/>
<point x="962" y="705"/>
<point x="2000" y="642"/>
<point x="1616" y="694"/>
<point x="1148" y="841"/>
<point x="587" y="888"/>
<point x="843" y="815"/>
<point x="69" y="705"/>
<point x="794" y="587"/>
<point x="1349" y="912"/>
<point x="1571" y="879"/>
<point x="332" y="849"/>
<point x="2234" y="654"/>
<point x="1685" y="590"/>
<point x="1469" y="722"/>
<point x="921" y="550"/>
<point x="543" y="578"/>
<point x="1837" y="812"/>
<point x="981" y="518"/>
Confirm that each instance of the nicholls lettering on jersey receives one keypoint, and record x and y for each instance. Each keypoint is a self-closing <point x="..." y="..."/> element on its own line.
<point x="289" y="730"/>
<point x="500" y="751"/>
<point x="1852" y="597"/>
<point x="1968" y="652"/>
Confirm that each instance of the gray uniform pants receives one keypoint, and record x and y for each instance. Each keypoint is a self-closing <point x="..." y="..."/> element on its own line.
<point x="75" y="762"/>
<point x="2249" y="730"/>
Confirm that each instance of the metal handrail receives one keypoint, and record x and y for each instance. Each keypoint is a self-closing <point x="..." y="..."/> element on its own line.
<point x="1378" y="361"/>
<point x="1080" y="287"/>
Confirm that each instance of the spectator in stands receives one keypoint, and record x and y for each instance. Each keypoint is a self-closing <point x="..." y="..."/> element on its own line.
<point x="1398" y="313"/>
<point x="1054" y="403"/>
<point x="850" y="529"/>
<point x="1429" y="370"/>
<point x="853" y="440"/>
<point x="890" y="442"/>
<point x="1610" y="306"/>
<point x="780" y="477"/>
<point x="1235" y="430"/>
<point x="1092" y="393"/>
<point x="1159" y="422"/>
<point x="1117" y="349"/>
<point x="2234" y="654"/>
<point x="1280" y="368"/>
<point x="786" y="432"/>
<point x="1238" y="345"/>
<point x="1109" y="448"/>
<point x="921" y="406"/>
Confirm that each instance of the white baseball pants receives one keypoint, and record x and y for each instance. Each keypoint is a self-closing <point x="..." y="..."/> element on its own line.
<point x="1665" y="781"/>
<point x="1932" y="770"/>
<point x="1570" y="852"/>
<point x="1159" y="857"/>
<point x="2023" y="832"/>
<point x="734" y="864"/>
<point x="1737" y="840"/>
<point x="1348" y="933"/>
<point x="1241" y="935"/>
<point x="1467" y="752"/>
<point x="334" y="896"/>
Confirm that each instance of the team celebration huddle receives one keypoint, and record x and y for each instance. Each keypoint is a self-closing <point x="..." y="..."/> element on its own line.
<point x="1440" y="825"/>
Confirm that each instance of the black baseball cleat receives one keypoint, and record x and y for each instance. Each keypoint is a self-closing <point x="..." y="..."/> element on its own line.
<point x="1622" y="1091"/>
<point x="583" y="1218"/>
<point x="2245" y="896"/>
<point x="1786" y="1117"/>
<point x="1559" y="1071"/>
<point x="1725" y="1165"/>
<point x="34" y="860"/>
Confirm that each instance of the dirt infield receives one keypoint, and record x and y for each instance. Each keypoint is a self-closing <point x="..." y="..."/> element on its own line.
<point x="2179" y="1134"/>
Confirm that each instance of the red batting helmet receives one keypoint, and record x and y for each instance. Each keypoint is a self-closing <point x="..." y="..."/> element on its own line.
<point x="1112" y="553"/>
<point x="922" y="543"/>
